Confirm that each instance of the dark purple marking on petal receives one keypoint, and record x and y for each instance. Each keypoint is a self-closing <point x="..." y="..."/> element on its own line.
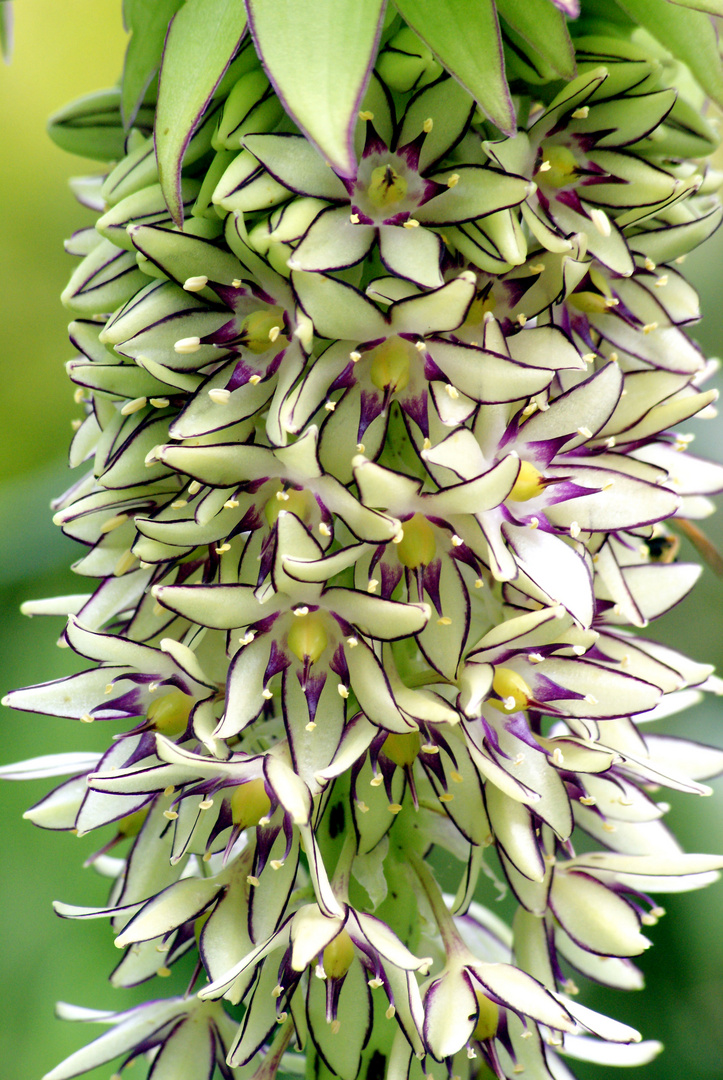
<point x="417" y="409"/>
<point x="312" y="685"/>
<point x="344" y="379"/>
<point x="391" y="576"/>
<point x="430" y="579"/>
<point x="374" y="143"/>
<point x="371" y="406"/>
<point x="338" y="663"/>
<point x="278" y="661"/>
<point x="572" y="200"/>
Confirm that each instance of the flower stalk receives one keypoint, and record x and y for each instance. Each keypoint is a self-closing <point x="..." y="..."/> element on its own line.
<point x="383" y="343"/>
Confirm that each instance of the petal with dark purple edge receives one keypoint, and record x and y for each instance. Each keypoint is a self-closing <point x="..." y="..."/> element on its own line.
<point x="450" y="1011"/>
<point x="412" y="253"/>
<point x="523" y="994"/>
<point x="296" y="164"/>
<point x="332" y="242"/>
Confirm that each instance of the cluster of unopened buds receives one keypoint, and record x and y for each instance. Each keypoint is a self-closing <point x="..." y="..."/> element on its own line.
<point x="379" y="477"/>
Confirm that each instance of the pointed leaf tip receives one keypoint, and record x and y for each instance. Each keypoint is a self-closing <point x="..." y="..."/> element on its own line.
<point x="319" y="57"/>
<point x="202" y="38"/>
<point x="459" y="33"/>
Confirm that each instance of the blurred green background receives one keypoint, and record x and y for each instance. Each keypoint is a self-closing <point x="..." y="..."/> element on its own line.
<point x="62" y="51"/>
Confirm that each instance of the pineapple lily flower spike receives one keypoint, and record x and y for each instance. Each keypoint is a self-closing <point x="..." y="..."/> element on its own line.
<point x="382" y="343"/>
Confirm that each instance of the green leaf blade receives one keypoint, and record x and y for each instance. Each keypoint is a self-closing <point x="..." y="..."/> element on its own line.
<point x="147" y="24"/>
<point x="202" y="39"/>
<point x="544" y="28"/>
<point x="689" y="35"/>
<point x="459" y="34"/>
<point x="319" y="57"/>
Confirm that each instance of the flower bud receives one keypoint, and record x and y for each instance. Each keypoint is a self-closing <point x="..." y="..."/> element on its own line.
<point x="391" y="364"/>
<point x="169" y="714"/>
<point x="402" y="749"/>
<point x="418" y="545"/>
<point x="512" y="689"/>
<point x="249" y="803"/>
<point x="307" y="637"/>
<point x="338" y="956"/>
<point x="528" y="484"/>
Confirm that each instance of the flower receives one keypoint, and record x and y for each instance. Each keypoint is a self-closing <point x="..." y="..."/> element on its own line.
<point x="380" y="384"/>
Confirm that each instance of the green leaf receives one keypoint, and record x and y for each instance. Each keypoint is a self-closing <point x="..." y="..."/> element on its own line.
<point x="689" y="35"/>
<point x="713" y="7"/>
<point x="319" y="57"/>
<point x="202" y="40"/>
<point x="465" y="38"/>
<point x="147" y="24"/>
<point x="544" y="29"/>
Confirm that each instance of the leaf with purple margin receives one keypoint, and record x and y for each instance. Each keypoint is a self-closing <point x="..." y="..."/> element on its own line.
<point x="458" y="41"/>
<point x="202" y="38"/>
<point x="319" y="57"/>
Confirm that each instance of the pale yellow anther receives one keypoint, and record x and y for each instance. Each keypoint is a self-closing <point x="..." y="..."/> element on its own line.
<point x="330" y="406"/>
<point x="274" y="333"/>
<point x="170" y="814"/>
<point x="376" y="781"/>
<point x="353" y="641"/>
<point x="365" y="114"/>
<point x="187" y="345"/>
<point x="585" y="432"/>
<point x="113" y="523"/>
<point x="247" y="638"/>
<point x="86" y="718"/>
<point x="428" y="125"/>
<point x="267" y="694"/>
<point x="614" y="357"/>
<point x="427" y="444"/>
<point x="231" y="504"/>
<point x="452" y="391"/>
<point x="446" y="796"/>
<point x="276" y="864"/>
<point x="375" y="983"/>
<point x="680" y="260"/>
<point x="456" y="777"/>
<point x="324" y="529"/>
<point x="649" y="327"/>
<point x="194" y="487"/>
<point x="453" y="180"/>
<point x="536" y="268"/>
<point x="545" y="166"/>
<point x="581" y="113"/>
<point x="311" y="726"/>
<point x="354" y="219"/>
<point x="522" y="319"/>
<point x="373" y="585"/>
<point x="390" y="1013"/>
<point x="205" y="804"/>
<point x="444" y="620"/>
<point x="394" y="808"/>
<point x="588" y="357"/>
<point x="252" y="880"/>
<point x="362" y="807"/>
<point x="355" y="356"/>
<point x="195" y="284"/>
<point x="479" y="583"/>
<point x="601" y="221"/>
<point x="535" y="657"/>
<point x="134" y="406"/>
<point x="557" y="757"/>
<point x="343" y="691"/>
<point x="591" y="699"/>
<point x="575" y="530"/>
<point x="76" y="424"/>
<point x="126" y="562"/>
<point x="412" y="223"/>
<point x="662" y="281"/>
<point x="611" y="301"/>
<point x="609" y="827"/>
<point x="254" y="379"/>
